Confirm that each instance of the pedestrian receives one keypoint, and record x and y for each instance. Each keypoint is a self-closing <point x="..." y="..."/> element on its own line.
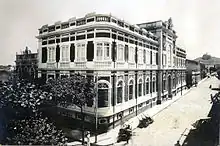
<point x="210" y="87"/>
<point x="178" y="143"/>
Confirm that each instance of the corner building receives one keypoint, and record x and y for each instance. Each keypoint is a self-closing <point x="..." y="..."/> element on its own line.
<point x="135" y="69"/>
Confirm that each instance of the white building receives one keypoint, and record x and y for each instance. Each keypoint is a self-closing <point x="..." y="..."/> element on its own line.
<point x="136" y="66"/>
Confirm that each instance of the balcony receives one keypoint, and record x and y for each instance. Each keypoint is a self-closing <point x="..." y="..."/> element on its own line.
<point x="64" y="65"/>
<point x="80" y="65"/>
<point x="51" y="65"/>
<point x="131" y="65"/>
<point x="102" y="64"/>
<point x="120" y="65"/>
<point x="140" y="66"/>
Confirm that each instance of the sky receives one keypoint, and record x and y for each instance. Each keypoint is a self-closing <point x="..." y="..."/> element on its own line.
<point x="196" y="22"/>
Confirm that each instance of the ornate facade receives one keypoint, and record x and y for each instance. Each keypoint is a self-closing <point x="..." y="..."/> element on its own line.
<point x="27" y="64"/>
<point x="136" y="67"/>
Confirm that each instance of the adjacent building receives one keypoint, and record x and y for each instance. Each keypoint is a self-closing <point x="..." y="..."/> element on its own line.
<point x="137" y="66"/>
<point x="27" y="64"/>
<point x="195" y="71"/>
<point x="5" y="72"/>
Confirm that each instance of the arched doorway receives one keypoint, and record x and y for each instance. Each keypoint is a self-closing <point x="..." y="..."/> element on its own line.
<point x="169" y="86"/>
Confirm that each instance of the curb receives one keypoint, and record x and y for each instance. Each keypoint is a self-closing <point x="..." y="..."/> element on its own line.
<point x="174" y="100"/>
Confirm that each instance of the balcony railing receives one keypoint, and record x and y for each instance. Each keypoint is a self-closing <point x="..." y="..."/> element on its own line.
<point x="102" y="64"/>
<point x="51" y="65"/>
<point x="64" y="65"/>
<point x="80" y="64"/>
<point x="120" y="64"/>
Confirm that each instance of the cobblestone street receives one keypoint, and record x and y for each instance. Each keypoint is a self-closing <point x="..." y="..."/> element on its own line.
<point x="172" y="122"/>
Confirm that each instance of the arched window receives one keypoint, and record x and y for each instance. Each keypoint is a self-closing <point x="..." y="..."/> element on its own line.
<point x="119" y="92"/>
<point x="147" y="86"/>
<point x="140" y="87"/>
<point x="154" y="84"/>
<point x="131" y="89"/>
<point x="103" y="90"/>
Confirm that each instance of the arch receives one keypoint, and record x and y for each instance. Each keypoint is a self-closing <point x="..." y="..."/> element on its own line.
<point x="106" y="82"/>
<point x="103" y="93"/>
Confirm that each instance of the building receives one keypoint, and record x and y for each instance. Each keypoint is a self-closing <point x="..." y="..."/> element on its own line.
<point x="171" y="58"/>
<point x="27" y="64"/>
<point x="137" y="68"/>
<point x="5" y="72"/>
<point x="194" y="72"/>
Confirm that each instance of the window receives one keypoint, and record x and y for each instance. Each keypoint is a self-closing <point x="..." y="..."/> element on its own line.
<point x="131" y="89"/>
<point x="103" y="51"/>
<point x="144" y="55"/>
<point x="140" y="88"/>
<point x="51" y="41"/>
<point x="154" y="84"/>
<point x="44" y="55"/>
<point x="90" y="20"/>
<point x="119" y="92"/>
<point x="81" y="52"/>
<point x="148" y="57"/>
<point x="44" y="42"/>
<point x="51" y="54"/>
<point x="103" y="34"/>
<point x="99" y="52"/>
<point x="164" y="84"/>
<point x="80" y="37"/>
<point x="65" y="53"/>
<point x="131" y="54"/>
<point x="120" y="53"/>
<point x="140" y="56"/>
<point x="106" y="51"/>
<point x="66" y="39"/>
<point x="174" y="83"/>
<point x="147" y="86"/>
<point x="103" y="90"/>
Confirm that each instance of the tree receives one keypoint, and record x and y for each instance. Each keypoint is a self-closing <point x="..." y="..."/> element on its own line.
<point x="206" y="56"/>
<point x="76" y="90"/>
<point x="35" y="131"/>
<point x="20" y="104"/>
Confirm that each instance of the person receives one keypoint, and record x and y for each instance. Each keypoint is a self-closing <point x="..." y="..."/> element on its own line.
<point x="210" y="87"/>
<point x="178" y="143"/>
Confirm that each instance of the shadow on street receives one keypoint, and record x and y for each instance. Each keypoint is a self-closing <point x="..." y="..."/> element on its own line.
<point x="206" y="131"/>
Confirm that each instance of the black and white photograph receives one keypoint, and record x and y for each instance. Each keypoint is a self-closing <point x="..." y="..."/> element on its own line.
<point x="110" y="72"/>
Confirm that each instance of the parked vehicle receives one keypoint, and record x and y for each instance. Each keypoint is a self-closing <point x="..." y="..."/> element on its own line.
<point x="145" y="122"/>
<point x="124" y="134"/>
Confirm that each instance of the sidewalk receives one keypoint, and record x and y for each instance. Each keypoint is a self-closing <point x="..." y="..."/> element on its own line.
<point x="110" y="138"/>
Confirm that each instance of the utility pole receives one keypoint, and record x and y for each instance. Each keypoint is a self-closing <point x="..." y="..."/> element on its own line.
<point x="96" y="106"/>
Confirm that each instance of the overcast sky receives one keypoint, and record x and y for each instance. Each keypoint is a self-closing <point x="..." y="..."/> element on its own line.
<point x="197" y="22"/>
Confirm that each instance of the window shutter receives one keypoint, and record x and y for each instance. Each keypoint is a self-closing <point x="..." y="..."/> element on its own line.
<point x="44" y="54"/>
<point x="144" y="56"/>
<point x="157" y="58"/>
<point x="90" y="51"/>
<point x="114" y="51"/>
<point x="58" y="53"/>
<point x="72" y="52"/>
<point x="136" y="55"/>
<point x="151" y="57"/>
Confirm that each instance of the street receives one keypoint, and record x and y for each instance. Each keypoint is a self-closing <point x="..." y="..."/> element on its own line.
<point x="172" y="122"/>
